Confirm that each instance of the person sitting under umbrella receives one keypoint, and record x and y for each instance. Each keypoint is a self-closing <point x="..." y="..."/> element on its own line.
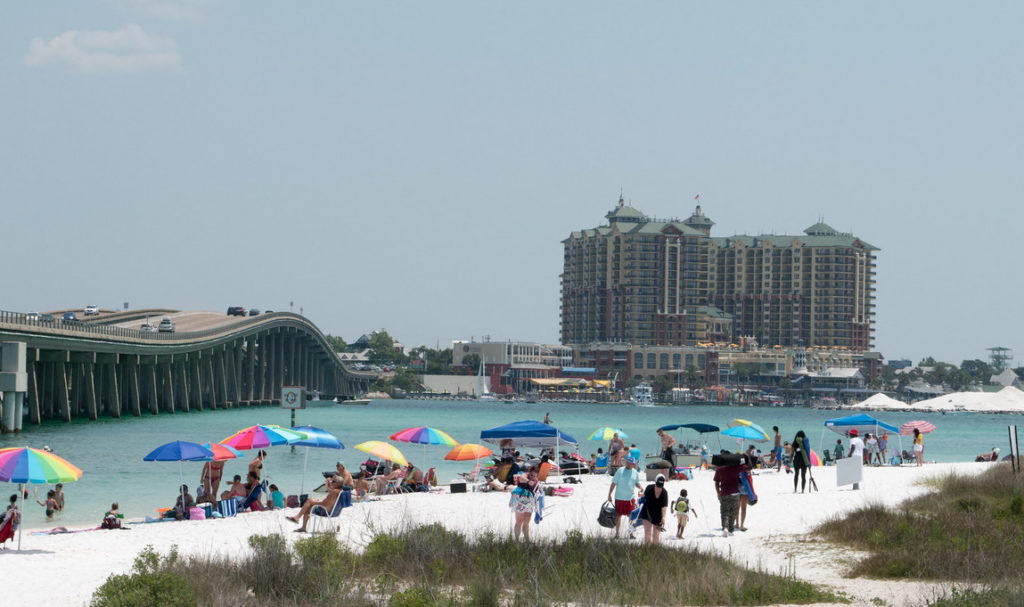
<point x="382" y="481"/>
<point x="413" y="479"/>
<point x="346" y="476"/>
<point x="333" y="491"/>
<point x="179" y="511"/>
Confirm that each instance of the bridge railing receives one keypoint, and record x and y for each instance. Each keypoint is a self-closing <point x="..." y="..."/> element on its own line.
<point x="33" y="320"/>
<point x="87" y="329"/>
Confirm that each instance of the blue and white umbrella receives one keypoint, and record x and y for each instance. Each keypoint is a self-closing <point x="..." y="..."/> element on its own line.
<point x="316" y="437"/>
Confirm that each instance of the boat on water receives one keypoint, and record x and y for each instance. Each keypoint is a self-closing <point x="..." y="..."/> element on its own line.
<point x="352" y="401"/>
<point x="642" y="395"/>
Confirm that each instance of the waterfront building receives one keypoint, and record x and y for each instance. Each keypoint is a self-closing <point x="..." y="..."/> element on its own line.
<point x="668" y="282"/>
<point x="509" y="366"/>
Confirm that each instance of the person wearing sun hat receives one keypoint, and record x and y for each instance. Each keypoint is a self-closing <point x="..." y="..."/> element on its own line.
<point x="623" y="483"/>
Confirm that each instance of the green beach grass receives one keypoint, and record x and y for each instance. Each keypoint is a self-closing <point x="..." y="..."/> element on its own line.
<point x="429" y="565"/>
<point x="968" y="529"/>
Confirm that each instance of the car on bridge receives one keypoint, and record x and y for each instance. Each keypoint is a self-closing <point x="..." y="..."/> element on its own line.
<point x="47" y="318"/>
<point x="92" y="310"/>
<point x="147" y="328"/>
<point x="254" y="312"/>
<point x="33" y="316"/>
<point x="166" y="325"/>
<point x="69" y="316"/>
<point x="236" y="311"/>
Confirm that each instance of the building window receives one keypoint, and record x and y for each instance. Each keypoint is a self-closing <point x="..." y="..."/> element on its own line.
<point x="689" y="359"/>
<point x="700" y="361"/>
<point x="638" y="360"/>
<point x="652" y="360"/>
<point x="677" y="361"/>
<point x="664" y="360"/>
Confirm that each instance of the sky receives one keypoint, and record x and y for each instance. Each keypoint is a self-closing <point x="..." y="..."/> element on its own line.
<point x="415" y="166"/>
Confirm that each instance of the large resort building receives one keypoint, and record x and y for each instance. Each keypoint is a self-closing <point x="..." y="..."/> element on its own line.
<point x="668" y="282"/>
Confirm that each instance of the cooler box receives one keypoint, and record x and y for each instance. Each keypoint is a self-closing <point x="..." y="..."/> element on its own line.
<point x="457" y="487"/>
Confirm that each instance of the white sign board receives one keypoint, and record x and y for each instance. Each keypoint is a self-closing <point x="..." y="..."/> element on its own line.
<point x="849" y="470"/>
<point x="293" y="397"/>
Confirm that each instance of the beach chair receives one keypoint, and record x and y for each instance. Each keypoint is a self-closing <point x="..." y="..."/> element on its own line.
<point x="431" y="478"/>
<point x="471" y="476"/>
<point x="545" y="469"/>
<point x="228" y="508"/>
<point x="6" y="530"/>
<point x="253" y="498"/>
<point x="319" y="513"/>
<point x="827" y="460"/>
<point x="601" y="465"/>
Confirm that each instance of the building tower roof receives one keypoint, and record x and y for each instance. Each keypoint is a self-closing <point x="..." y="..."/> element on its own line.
<point x="698" y="221"/>
<point x="821" y="229"/>
<point x="624" y="213"/>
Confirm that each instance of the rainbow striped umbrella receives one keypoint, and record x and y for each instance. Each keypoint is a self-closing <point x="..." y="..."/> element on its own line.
<point x="31" y="466"/>
<point x="258" y="437"/>
<point x="220" y="453"/>
<point x="424" y="436"/>
<point x="384" y="451"/>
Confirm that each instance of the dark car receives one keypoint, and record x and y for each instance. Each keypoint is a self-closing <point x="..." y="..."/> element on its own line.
<point x="236" y="311"/>
<point x="254" y="312"/>
<point x="46" y="318"/>
<point x="69" y="316"/>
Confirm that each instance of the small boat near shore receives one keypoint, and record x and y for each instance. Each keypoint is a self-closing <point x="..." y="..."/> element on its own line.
<point x="353" y="401"/>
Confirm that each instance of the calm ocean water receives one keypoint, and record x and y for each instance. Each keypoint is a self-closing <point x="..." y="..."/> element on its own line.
<point x="110" y="451"/>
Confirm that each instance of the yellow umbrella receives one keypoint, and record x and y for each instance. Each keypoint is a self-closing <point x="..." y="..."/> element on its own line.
<point x="384" y="451"/>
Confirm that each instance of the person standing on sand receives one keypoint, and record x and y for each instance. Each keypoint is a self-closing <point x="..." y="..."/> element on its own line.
<point x="727" y="486"/>
<point x="523" y="502"/>
<point x="777" y="450"/>
<point x="616" y="450"/>
<point x="856" y="450"/>
<point x="801" y="460"/>
<point x="872" y="447"/>
<point x="210" y="478"/>
<point x="623" y="482"/>
<point x="256" y="465"/>
<point x="667" y="442"/>
<point x="918" y="446"/>
<point x="883" y="446"/>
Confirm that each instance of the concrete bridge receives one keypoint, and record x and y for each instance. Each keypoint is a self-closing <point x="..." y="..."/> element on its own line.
<point x="78" y="369"/>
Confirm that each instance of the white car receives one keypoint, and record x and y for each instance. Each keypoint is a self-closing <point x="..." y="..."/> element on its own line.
<point x="147" y="328"/>
<point x="92" y="310"/>
<point x="166" y="325"/>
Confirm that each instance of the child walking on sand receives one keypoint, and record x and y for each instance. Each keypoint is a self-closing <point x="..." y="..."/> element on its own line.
<point x="682" y="508"/>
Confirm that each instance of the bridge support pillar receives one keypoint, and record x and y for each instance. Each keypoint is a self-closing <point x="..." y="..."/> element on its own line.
<point x="89" y="373"/>
<point x="211" y="383"/>
<point x="197" y="384"/>
<point x="279" y="362"/>
<point x="113" y="398"/>
<point x="134" y="389"/>
<point x="250" y="367"/>
<point x="14" y="384"/>
<point x="168" y="381"/>
<point x="273" y="391"/>
<point x="150" y="373"/>
<point x="236" y="372"/>
<point x="61" y="385"/>
<point x="32" y="367"/>
<point x="222" y="371"/>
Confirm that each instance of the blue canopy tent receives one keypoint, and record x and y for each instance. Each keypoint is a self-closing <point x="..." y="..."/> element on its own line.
<point x="528" y="434"/>
<point x="700" y="428"/>
<point x="863" y="423"/>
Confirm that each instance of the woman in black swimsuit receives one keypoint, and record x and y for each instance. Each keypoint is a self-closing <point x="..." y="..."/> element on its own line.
<point x="256" y="465"/>
<point x="653" y="511"/>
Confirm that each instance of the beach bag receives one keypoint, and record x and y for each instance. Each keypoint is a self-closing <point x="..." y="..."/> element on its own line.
<point x="606" y="518"/>
<point x="292" y="502"/>
<point x="196" y="514"/>
<point x="110" y="522"/>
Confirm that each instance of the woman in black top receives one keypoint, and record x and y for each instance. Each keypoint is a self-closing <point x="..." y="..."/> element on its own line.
<point x="654" y="508"/>
<point x="801" y="460"/>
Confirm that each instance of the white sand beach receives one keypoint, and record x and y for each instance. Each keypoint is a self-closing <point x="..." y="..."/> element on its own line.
<point x="66" y="569"/>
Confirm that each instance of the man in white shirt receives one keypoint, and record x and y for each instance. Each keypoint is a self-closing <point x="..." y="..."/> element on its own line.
<point x="856" y="450"/>
<point x="625" y="479"/>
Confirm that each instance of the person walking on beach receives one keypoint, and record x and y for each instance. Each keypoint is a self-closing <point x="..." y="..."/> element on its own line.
<point x="652" y="513"/>
<point x="727" y="486"/>
<point x="872" y="449"/>
<point x="623" y="483"/>
<point x="777" y="449"/>
<point x="745" y="496"/>
<point x="918" y="446"/>
<point x="801" y="460"/>
<point x="682" y="510"/>
<point x="667" y="442"/>
<point x="523" y="502"/>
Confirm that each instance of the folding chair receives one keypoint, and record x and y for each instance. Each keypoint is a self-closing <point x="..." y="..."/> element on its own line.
<point x="471" y="476"/>
<point x="319" y="513"/>
<point x="228" y="508"/>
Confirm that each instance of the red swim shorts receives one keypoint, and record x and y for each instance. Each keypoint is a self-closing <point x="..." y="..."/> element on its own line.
<point x="624" y="507"/>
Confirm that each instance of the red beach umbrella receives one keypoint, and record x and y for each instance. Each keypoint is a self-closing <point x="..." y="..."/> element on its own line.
<point x="924" y="427"/>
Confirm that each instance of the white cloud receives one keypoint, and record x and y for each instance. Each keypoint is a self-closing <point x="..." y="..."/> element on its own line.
<point x="174" y="10"/>
<point x="128" y="49"/>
